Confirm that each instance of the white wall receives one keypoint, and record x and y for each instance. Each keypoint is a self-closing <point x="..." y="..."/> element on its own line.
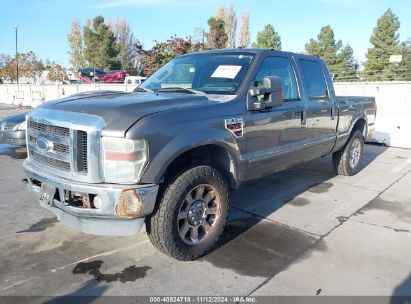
<point x="393" y="98"/>
<point x="393" y="124"/>
<point x="32" y="95"/>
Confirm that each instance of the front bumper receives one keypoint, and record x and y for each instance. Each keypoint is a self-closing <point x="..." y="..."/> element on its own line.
<point x="17" y="138"/>
<point x="53" y="195"/>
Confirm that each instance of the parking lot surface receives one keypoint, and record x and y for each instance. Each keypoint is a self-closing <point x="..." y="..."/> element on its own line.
<point x="304" y="231"/>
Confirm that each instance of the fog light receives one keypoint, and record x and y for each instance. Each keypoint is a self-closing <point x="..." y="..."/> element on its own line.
<point x="97" y="202"/>
<point x="129" y="204"/>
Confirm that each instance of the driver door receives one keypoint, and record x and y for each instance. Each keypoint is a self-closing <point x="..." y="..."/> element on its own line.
<point x="275" y="136"/>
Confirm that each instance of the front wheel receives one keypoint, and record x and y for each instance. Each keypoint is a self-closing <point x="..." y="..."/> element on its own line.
<point x="191" y="214"/>
<point x="347" y="160"/>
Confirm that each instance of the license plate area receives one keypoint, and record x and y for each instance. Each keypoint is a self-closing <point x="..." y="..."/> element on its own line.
<point x="47" y="193"/>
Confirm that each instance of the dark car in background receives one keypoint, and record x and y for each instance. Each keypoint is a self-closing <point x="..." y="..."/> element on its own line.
<point x="91" y="72"/>
<point x="13" y="129"/>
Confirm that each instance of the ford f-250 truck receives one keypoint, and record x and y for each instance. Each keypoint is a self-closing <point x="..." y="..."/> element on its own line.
<point x="169" y="154"/>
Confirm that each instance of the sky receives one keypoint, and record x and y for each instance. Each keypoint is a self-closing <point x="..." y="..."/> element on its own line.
<point x="43" y="25"/>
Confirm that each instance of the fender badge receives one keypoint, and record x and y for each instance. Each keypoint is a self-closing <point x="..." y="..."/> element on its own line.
<point x="235" y="125"/>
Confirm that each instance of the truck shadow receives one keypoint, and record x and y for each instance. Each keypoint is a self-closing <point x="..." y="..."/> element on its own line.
<point x="402" y="293"/>
<point x="254" y="246"/>
<point x="90" y="292"/>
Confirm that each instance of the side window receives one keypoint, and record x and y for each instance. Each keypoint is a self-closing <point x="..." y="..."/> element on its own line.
<point x="280" y="67"/>
<point x="314" y="79"/>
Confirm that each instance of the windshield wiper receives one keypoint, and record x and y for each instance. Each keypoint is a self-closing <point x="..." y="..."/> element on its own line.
<point x="181" y="90"/>
<point x="139" y="89"/>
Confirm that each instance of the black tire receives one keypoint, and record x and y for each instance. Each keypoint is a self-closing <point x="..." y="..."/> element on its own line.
<point x="170" y="218"/>
<point x="345" y="161"/>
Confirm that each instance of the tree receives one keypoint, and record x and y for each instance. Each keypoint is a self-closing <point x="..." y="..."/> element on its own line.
<point x="216" y="37"/>
<point x="228" y="15"/>
<point x="125" y="41"/>
<point x="162" y="52"/>
<point x="325" y="47"/>
<point x="7" y="68"/>
<point x="339" y="59"/>
<point x="29" y="66"/>
<point x="55" y="72"/>
<point x="244" y="33"/>
<point x="348" y="65"/>
<point x="75" y="41"/>
<point x="268" y="38"/>
<point x="101" y="49"/>
<point x="385" y="43"/>
<point x="199" y="36"/>
<point x="405" y="65"/>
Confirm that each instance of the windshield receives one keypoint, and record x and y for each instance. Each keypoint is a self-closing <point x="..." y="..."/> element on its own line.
<point x="217" y="73"/>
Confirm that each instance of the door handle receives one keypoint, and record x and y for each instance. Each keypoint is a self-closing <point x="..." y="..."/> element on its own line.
<point x="302" y="115"/>
<point x="332" y="113"/>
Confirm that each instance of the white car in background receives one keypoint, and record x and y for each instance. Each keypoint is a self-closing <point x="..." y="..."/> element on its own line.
<point x="134" y="80"/>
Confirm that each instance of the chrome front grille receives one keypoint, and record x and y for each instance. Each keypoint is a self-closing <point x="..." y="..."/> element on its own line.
<point x="58" y="148"/>
<point x="55" y="130"/>
<point x="82" y="159"/>
<point x="52" y="162"/>
<point x="65" y="152"/>
<point x="65" y="144"/>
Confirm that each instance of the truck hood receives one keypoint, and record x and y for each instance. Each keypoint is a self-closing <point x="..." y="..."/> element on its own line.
<point x="15" y="118"/>
<point x="121" y="110"/>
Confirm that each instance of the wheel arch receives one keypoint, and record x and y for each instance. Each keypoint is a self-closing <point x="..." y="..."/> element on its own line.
<point x="213" y="154"/>
<point x="214" y="147"/>
<point x="361" y="125"/>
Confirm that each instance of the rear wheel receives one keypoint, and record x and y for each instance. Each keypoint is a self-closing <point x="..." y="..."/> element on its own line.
<point x="191" y="214"/>
<point x="347" y="160"/>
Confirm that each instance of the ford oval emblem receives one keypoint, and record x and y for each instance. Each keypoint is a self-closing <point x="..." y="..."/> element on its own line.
<point x="43" y="144"/>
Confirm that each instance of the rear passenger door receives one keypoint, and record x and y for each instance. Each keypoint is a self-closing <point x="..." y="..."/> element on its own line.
<point x="320" y="117"/>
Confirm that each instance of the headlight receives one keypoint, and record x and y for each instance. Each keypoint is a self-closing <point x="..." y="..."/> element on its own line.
<point x="21" y="126"/>
<point x="123" y="159"/>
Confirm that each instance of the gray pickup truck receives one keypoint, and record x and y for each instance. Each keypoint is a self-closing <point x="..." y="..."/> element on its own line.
<point x="169" y="153"/>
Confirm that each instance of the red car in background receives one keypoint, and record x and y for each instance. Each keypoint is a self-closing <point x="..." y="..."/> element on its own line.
<point x="113" y="76"/>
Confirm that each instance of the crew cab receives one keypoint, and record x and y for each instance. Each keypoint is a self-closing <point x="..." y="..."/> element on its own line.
<point x="169" y="153"/>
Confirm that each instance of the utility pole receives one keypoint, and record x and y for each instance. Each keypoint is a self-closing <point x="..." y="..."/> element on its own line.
<point x="17" y="57"/>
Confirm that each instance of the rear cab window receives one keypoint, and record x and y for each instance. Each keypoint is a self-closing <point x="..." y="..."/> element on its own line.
<point x="282" y="68"/>
<point x="314" y="79"/>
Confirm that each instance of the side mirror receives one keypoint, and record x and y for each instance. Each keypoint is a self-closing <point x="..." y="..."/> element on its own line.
<point x="270" y="95"/>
